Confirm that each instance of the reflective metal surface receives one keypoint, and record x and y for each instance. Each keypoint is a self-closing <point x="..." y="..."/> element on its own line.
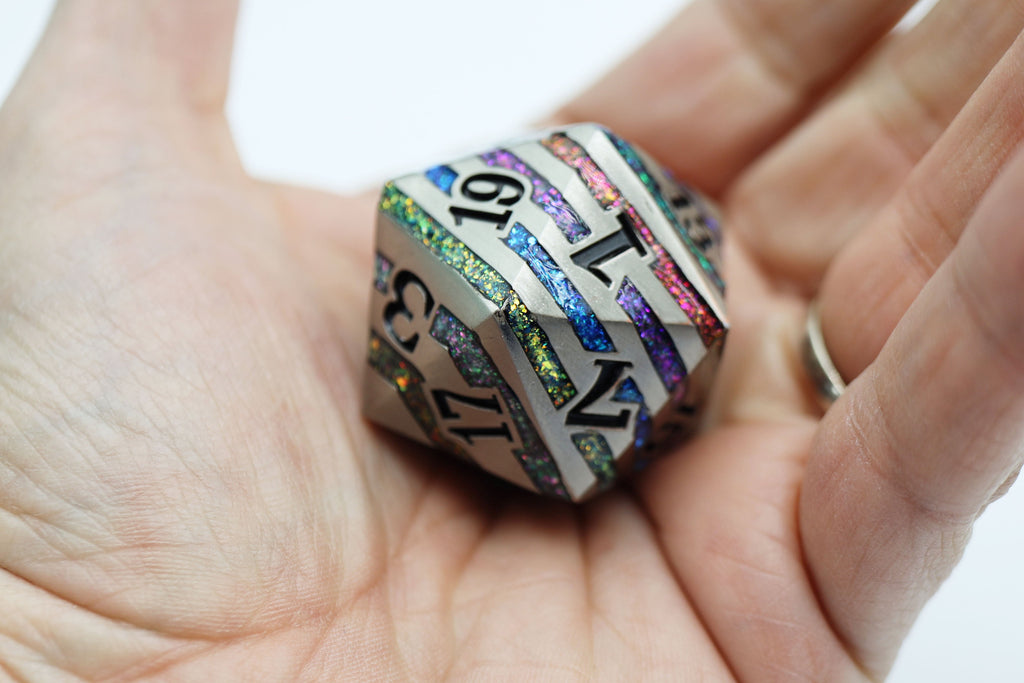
<point x="828" y="383"/>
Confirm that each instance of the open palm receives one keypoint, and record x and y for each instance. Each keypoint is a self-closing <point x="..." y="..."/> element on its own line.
<point x="188" y="490"/>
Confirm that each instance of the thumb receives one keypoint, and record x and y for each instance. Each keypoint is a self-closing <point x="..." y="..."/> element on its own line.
<point x="147" y="51"/>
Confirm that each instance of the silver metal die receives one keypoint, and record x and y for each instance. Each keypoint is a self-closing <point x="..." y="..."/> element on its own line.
<point x="551" y="310"/>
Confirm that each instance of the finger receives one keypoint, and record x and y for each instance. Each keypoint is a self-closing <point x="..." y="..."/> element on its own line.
<point x="536" y="566"/>
<point x="807" y="197"/>
<point x="873" y="281"/>
<point x="924" y="439"/>
<point x="724" y="511"/>
<point x="144" y="50"/>
<point x="727" y="78"/>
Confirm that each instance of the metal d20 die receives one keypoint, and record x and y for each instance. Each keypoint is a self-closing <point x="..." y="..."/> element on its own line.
<point x="549" y="310"/>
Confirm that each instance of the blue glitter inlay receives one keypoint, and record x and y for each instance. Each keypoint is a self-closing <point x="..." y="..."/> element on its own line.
<point x="443" y="177"/>
<point x="629" y="392"/>
<point x="584" y="323"/>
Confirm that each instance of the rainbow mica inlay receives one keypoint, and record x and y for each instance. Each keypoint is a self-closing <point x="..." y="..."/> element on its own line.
<point x="585" y="324"/>
<point x="478" y="369"/>
<point x="453" y="252"/>
<point x="598" y="455"/>
<point x="387" y="362"/>
<point x="632" y="158"/>
<point x="665" y="268"/>
<point x="656" y="340"/>
<point x="544" y="195"/>
<point x="443" y="178"/>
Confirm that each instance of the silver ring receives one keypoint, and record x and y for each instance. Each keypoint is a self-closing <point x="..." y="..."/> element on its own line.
<point x="548" y="310"/>
<point x="827" y="381"/>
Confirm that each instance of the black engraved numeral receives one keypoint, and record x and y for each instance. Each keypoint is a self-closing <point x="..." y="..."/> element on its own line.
<point x="495" y="183"/>
<point x="680" y="419"/>
<point x="681" y="202"/>
<point x="698" y="232"/>
<point x="399" y="308"/>
<point x="444" y="398"/>
<point x="498" y="220"/>
<point x="488" y="187"/>
<point x="611" y="371"/>
<point x="467" y="434"/>
<point x="599" y="253"/>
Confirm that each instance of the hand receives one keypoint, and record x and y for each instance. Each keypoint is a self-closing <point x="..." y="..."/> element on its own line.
<point x="187" y="488"/>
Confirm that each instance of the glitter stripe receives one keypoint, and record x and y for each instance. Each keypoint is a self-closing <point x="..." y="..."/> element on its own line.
<point x="545" y="196"/>
<point x="598" y="455"/>
<point x="632" y="158"/>
<point x="443" y="177"/>
<point x="476" y="367"/>
<point x="665" y="269"/>
<point x="477" y="272"/>
<point x="656" y="340"/>
<point x="387" y="362"/>
<point x="382" y="273"/>
<point x="629" y="392"/>
<point x="584" y="323"/>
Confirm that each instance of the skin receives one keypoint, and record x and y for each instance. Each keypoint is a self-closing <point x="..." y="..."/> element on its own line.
<point x="188" y="490"/>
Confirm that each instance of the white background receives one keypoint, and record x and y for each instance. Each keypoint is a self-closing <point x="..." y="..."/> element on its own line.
<point x="339" y="94"/>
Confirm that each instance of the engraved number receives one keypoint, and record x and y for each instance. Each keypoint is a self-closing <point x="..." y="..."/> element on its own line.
<point x="495" y="183"/>
<point x="488" y="187"/>
<point x="594" y="256"/>
<point x="498" y="220"/>
<point x="679" y="421"/>
<point x="444" y="399"/>
<point x="399" y="308"/>
<point x="611" y="371"/>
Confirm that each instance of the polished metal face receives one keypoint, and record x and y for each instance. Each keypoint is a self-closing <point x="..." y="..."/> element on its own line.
<point x="551" y="310"/>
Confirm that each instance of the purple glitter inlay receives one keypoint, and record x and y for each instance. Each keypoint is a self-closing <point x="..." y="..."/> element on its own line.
<point x="478" y="369"/>
<point x="657" y="342"/>
<point x="545" y="195"/>
<point x="665" y="268"/>
<point x="382" y="273"/>
<point x="585" y="324"/>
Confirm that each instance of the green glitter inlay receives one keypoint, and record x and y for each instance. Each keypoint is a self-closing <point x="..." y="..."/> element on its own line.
<point x="387" y="362"/>
<point x="476" y="367"/>
<point x="598" y="454"/>
<point x="486" y="280"/>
